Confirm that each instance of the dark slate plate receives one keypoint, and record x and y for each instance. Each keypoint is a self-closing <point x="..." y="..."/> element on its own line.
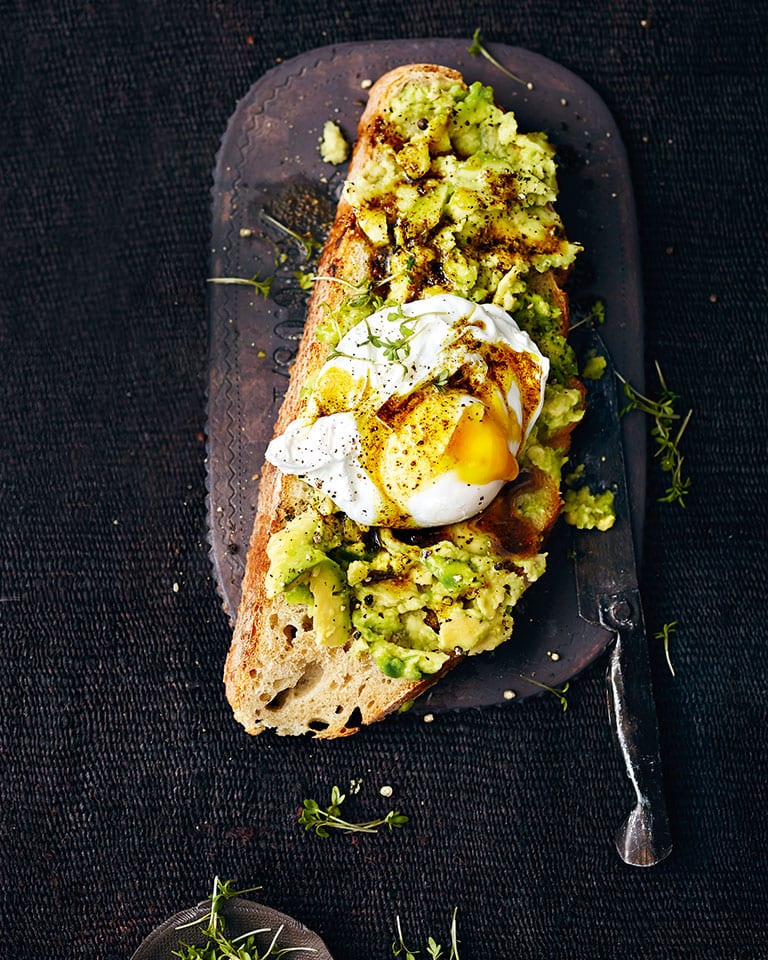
<point x="269" y="165"/>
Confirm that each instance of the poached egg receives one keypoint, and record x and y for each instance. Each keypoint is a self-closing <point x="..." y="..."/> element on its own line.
<point x="417" y="417"/>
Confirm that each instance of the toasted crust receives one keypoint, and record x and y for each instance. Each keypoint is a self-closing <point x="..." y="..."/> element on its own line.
<point x="276" y="675"/>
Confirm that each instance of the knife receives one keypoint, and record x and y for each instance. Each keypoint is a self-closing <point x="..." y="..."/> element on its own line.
<point x="608" y="596"/>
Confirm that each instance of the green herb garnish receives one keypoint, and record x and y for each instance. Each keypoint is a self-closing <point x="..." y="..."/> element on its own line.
<point x="323" y="819"/>
<point x="477" y="49"/>
<point x="560" y="694"/>
<point x="666" y="437"/>
<point x="305" y="241"/>
<point x="305" y="280"/>
<point x="362" y="294"/>
<point x="361" y="303"/>
<point x="664" y="634"/>
<point x="440" y="381"/>
<point x="434" y="949"/>
<point x="395" y="350"/>
<point x="261" y="286"/>
<point x="595" y="315"/>
<point x="219" y="945"/>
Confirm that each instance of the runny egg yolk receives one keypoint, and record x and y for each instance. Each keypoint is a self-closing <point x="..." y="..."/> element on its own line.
<point x="480" y="448"/>
<point x="439" y="434"/>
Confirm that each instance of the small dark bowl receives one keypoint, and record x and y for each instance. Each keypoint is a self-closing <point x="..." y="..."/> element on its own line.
<point x="242" y="916"/>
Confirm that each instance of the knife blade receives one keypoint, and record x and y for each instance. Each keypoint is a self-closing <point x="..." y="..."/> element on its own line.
<point x="609" y="597"/>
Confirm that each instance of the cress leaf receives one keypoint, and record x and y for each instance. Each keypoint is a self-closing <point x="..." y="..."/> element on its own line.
<point x="321" y="820"/>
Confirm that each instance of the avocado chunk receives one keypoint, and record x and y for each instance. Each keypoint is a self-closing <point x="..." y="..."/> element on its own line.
<point x="373" y="222"/>
<point x="331" y="604"/>
<point x="301" y="569"/>
<point x="293" y="551"/>
<point x="426" y="212"/>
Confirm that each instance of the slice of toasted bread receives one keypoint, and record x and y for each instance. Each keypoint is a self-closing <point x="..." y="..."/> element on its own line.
<point x="277" y="674"/>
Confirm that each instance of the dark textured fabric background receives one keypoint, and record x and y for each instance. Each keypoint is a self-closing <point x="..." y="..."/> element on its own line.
<point x="125" y="783"/>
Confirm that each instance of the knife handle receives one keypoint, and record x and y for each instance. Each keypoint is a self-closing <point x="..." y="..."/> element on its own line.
<point x="644" y="838"/>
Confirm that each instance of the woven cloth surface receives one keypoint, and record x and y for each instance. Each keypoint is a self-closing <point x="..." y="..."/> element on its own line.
<point x="126" y="785"/>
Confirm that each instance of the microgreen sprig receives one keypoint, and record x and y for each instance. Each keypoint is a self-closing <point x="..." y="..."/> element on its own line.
<point x="664" y="634"/>
<point x="305" y="241"/>
<point x="395" y="350"/>
<point x="362" y="294"/>
<point x="560" y="694"/>
<point x="219" y="945"/>
<point x="323" y="819"/>
<point x="406" y="272"/>
<point x="441" y="378"/>
<point x="667" y="438"/>
<point x="365" y="290"/>
<point x="366" y="298"/>
<point x="434" y="949"/>
<point x="594" y="315"/>
<point x="261" y="286"/>
<point x="304" y="280"/>
<point x="344" y="283"/>
<point x="477" y="49"/>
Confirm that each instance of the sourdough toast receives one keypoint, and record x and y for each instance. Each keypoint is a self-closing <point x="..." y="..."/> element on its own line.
<point x="278" y="675"/>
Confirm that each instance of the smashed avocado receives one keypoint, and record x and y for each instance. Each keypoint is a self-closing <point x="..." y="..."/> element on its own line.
<point x="461" y="197"/>
<point x="333" y="146"/>
<point x="455" y="199"/>
<point x="589" y="511"/>
<point x="411" y="605"/>
<point x="594" y="367"/>
<point x="458" y="200"/>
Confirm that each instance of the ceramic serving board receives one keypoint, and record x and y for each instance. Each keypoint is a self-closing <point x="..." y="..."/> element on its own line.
<point x="269" y="175"/>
